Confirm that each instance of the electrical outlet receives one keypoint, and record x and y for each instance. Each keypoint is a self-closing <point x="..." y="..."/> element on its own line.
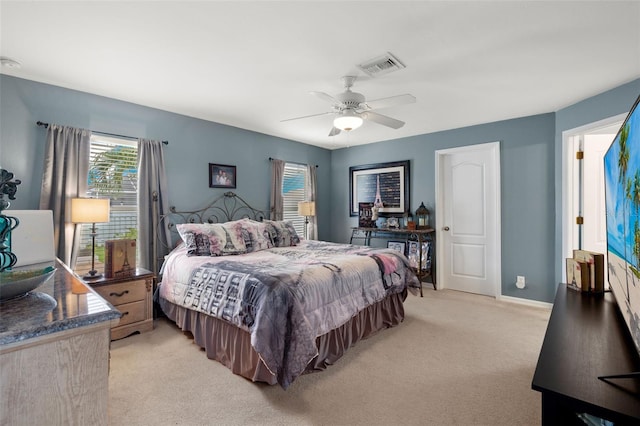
<point x="520" y="281"/>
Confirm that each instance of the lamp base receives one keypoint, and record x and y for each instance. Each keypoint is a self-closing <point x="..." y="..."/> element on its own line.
<point x="92" y="275"/>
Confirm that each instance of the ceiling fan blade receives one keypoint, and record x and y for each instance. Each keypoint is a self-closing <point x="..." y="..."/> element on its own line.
<point x="382" y="119"/>
<point x="334" y="131"/>
<point x="325" y="97"/>
<point x="390" y="101"/>
<point x="307" y="116"/>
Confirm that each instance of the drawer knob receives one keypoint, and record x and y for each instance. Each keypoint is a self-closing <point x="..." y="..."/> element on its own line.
<point x="119" y="294"/>
<point x="125" y="313"/>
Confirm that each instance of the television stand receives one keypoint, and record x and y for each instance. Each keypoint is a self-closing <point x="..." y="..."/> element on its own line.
<point x="587" y="338"/>
<point x="633" y="375"/>
<point x="623" y="385"/>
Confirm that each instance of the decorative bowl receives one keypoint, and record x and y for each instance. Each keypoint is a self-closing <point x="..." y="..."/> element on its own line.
<point x="15" y="284"/>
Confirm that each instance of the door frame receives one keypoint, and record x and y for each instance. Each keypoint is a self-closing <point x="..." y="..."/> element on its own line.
<point x="494" y="149"/>
<point x="570" y="176"/>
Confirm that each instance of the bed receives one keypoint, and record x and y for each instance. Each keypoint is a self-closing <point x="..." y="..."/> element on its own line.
<point x="269" y="305"/>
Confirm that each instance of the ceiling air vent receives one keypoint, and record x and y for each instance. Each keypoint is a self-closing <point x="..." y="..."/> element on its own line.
<point x="381" y="65"/>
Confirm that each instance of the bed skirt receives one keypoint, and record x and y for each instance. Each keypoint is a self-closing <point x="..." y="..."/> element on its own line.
<point x="231" y="345"/>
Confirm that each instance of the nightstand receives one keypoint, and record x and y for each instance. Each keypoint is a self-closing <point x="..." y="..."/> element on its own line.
<point x="132" y="296"/>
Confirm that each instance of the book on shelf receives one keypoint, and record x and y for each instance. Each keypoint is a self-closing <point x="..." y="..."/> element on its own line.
<point x="577" y="274"/>
<point x="595" y="263"/>
<point x="119" y="258"/>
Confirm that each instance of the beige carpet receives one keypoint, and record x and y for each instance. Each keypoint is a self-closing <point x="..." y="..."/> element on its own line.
<point x="457" y="359"/>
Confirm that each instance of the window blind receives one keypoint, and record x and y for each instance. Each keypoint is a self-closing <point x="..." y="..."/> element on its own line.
<point x="113" y="174"/>
<point x="294" y="191"/>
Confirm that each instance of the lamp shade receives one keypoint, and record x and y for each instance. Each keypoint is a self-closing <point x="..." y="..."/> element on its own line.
<point x="89" y="210"/>
<point x="307" y="208"/>
<point x="348" y="121"/>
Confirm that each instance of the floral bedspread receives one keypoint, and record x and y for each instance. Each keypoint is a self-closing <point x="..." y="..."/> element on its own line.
<point x="286" y="296"/>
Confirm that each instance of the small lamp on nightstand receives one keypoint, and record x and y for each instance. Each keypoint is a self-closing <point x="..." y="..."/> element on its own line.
<point x="90" y="210"/>
<point x="306" y="209"/>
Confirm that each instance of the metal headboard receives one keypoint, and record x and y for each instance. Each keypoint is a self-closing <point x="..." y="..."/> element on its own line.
<point x="229" y="206"/>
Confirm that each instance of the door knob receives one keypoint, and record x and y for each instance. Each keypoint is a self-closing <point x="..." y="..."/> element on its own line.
<point x="446" y="228"/>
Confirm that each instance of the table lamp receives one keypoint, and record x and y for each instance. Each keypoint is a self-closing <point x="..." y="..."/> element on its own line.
<point x="306" y="209"/>
<point x="90" y="210"/>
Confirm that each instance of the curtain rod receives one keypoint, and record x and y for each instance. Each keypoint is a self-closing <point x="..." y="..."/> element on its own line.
<point x="46" y="125"/>
<point x="294" y="162"/>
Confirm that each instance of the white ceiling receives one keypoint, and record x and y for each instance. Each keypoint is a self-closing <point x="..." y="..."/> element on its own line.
<point x="251" y="64"/>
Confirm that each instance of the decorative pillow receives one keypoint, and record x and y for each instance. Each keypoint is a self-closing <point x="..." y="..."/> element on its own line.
<point x="282" y="233"/>
<point x="210" y="239"/>
<point x="255" y="235"/>
<point x="234" y="228"/>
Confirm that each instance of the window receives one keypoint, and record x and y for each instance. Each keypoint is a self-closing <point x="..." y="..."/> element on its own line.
<point x="293" y="191"/>
<point x="113" y="174"/>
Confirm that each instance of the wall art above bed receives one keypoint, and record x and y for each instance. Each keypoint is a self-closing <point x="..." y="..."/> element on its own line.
<point x="386" y="185"/>
<point x="222" y="176"/>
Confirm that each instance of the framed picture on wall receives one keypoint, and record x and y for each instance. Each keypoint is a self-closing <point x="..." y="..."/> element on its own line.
<point x="222" y="176"/>
<point x="384" y="183"/>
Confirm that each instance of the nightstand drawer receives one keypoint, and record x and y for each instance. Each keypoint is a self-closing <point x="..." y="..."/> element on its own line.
<point x="132" y="296"/>
<point x="127" y="292"/>
<point x="131" y="312"/>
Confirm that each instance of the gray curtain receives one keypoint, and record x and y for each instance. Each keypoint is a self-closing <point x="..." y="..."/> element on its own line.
<point x="277" y="203"/>
<point x="312" y="227"/>
<point x="153" y="202"/>
<point x="66" y="168"/>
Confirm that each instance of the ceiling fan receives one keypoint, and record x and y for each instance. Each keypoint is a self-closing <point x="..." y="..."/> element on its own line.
<point x="351" y="109"/>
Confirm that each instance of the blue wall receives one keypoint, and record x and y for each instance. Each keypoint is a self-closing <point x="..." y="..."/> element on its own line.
<point x="527" y="188"/>
<point x="530" y="164"/>
<point x="605" y="105"/>
<point x="193" y="144"/>
<point x="531" y="182"/>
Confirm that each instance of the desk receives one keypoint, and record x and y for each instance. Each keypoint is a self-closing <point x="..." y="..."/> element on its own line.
<point x="419" y="235"/>
<point x="586" y="338"/>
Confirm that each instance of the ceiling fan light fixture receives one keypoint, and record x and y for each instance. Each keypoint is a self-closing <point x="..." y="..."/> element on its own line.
<point x="348" y="121"/>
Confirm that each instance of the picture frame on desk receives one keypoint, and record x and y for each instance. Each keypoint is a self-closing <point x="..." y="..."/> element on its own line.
<point x="426" y="255"/>
<point x="365" y="215"/>
<point x="414" y="247"/>
<point x="391" y="180"/>
<point x="413" y="251"/>
<point x="119" y="258"/>
<point x="397" y="246"/>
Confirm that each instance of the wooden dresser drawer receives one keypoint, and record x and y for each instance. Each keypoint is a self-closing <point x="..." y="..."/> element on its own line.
<point x="131" y="312"/>
<point x="126" y="292"/>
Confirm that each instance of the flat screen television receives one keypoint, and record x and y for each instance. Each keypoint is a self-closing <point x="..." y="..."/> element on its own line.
<point x="622" y="195"/>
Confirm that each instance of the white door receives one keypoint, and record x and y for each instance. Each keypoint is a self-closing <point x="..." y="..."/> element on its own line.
<point x="468" y="218"/>
<point x="594" y="209"/>
<point x="583" y="187"/>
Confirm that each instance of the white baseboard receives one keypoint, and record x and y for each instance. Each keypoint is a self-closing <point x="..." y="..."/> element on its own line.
<point x="528" y="302"/>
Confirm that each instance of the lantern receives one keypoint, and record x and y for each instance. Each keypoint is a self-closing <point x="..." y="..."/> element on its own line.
<point x="422" y="215"/>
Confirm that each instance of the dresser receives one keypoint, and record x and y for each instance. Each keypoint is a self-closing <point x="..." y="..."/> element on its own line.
<point x="54" y="354"/>
<point x="133" y="297"/>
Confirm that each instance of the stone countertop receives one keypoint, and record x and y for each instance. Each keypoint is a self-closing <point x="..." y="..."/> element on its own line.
<point x="62" y="303"/>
